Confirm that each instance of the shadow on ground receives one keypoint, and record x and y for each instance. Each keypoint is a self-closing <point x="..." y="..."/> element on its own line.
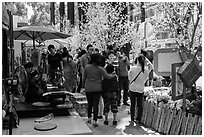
<point x="122" y="128"/>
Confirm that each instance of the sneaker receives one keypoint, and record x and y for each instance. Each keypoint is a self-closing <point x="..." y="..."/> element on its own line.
<point x="105" y="122"/>
<point x="131" y="122"/>
<point x="100" y="117"/>
<point x="95" y="124"/>
<point x="115" y="122"/>
<point x="126" y="104"/>
<point x="89" y="121"/>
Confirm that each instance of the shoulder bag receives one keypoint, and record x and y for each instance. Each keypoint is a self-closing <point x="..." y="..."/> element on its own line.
<point x="135" y="77"/>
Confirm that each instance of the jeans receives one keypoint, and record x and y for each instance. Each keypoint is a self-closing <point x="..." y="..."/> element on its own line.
<point x="123" y="84"/>
<point x="133" y="97"/>
<point x="93" y="101"/>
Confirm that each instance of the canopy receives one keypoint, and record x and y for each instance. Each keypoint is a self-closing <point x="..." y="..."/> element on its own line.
<point x="37" y="33"/>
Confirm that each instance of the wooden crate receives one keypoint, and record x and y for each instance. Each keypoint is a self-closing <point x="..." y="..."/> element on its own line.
<point x="144" y="112"/>
<point x="166" y="113"/>
<point x="150" y="114"/>
<point x="161" y="122"/>
<point x="198" y="127"/>
<point x="184" y="124"/>
<point x="195" y="121"/>
<point x="154" y="117"/>
<point x="190" y="125"/>
<point x="199" y="132"/>
<point x="175" y="122"/>
<point x="179" y="122"/>
<point x="171" y="121"/>
<point x="195" y="125"/>
<point x="158" y="118"/>
<point x="166" y="121"/>
<point x="171" y="117"/>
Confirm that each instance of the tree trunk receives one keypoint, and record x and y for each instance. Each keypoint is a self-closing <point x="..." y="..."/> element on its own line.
<point x="62" y="13"/>
<point x="142" y="12"/>
<point x="52" y="13"/>
<point x="70" y="12"/>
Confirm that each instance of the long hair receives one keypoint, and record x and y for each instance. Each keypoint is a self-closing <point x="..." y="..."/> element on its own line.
<point x="141" y="60"/>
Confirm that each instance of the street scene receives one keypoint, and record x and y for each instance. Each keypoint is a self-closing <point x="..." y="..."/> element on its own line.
<point x="101" y="68"/>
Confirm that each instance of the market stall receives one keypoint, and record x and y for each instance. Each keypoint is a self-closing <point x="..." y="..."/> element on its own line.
<point x="176" y="109"/>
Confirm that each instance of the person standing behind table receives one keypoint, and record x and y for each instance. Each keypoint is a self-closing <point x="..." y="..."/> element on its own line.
<point x="110" y="89"/>
<point x="122" y="72"/>
<point x="92" y="81"/>
<point x="54" y="62"/>
<point x="142" y="68"/>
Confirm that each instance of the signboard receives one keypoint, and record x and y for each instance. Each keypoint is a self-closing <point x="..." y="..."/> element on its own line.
<point x="164" y="58"/>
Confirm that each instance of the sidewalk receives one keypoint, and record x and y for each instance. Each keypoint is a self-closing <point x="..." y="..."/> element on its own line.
<point x="122" y="128"/>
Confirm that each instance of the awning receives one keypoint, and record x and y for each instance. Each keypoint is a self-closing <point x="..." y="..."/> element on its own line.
<point x="5" y="17"/>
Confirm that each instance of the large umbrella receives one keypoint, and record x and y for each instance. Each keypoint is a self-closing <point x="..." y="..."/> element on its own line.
<point x="37" y="33"/>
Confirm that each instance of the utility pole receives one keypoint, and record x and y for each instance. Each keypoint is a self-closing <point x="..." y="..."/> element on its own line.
<point x="52" y="13"/>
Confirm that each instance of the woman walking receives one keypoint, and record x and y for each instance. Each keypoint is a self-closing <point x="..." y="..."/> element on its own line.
<point x="138" y="75"/>
<point x="92" y="81"/>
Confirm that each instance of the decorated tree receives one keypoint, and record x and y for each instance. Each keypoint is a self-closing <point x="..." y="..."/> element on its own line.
<point x="106" y="24"/>
<point x="17" y="8"/>
<point x="182" y="20"/>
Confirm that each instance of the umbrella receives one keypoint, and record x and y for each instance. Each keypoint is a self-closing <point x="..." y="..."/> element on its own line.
<point x="37" y="33"/>
<point x="56" y="42"/>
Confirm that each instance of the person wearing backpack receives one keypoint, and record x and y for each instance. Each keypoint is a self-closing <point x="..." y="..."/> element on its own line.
<point x="137" y="76"/>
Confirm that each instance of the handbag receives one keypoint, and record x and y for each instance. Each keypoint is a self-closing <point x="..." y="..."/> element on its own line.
<point x="135" y="77"/>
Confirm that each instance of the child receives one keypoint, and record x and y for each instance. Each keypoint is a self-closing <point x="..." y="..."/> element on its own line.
<point x="110" y="88"/>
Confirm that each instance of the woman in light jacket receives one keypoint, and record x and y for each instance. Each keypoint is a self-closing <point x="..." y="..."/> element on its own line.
<point x="141" y="68"/>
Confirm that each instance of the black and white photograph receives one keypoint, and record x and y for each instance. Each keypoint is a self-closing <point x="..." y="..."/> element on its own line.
<point x="101" y="67"/>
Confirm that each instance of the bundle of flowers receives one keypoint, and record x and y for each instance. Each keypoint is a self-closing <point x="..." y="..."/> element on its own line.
<point x="156" y="95"/>
<point x="161" y="95"/>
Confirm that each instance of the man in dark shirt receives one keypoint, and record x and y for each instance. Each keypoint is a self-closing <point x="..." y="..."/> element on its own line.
<point x="123" y="65"/>
<point x="54" y="62"/>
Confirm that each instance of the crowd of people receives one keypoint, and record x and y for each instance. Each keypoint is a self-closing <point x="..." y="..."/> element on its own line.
<point x="106" y="78"/>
